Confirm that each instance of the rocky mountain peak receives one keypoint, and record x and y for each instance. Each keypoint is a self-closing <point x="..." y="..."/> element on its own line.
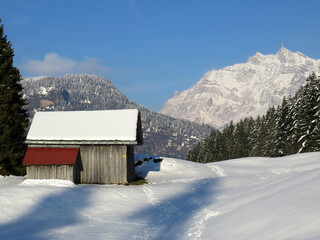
<point x="242" y="90"/>
<point x="176" y="93"/>
<point x="257" y="58"/>
<point x="284" y="55"/>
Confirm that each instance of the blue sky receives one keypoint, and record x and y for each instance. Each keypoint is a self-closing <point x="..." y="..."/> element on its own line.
<point x="150" y="48"/>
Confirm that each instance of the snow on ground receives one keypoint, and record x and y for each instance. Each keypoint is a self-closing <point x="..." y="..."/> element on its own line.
<point x="249" y="198"/>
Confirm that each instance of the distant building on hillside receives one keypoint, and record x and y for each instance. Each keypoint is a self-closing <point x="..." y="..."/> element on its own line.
<point x="83" y="146"/>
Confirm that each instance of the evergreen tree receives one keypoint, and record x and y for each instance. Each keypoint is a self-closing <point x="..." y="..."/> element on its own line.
<point x="254" y="136"/>
<point x="241" y="143"/>
<point x="284" y="143"/>
<point x="228" y="140"/>
<point x="259" y="136"/>
<point x="308" y="115"/>
<point x="220" y="142"/>
<point x="210" y="151"/>
<point x="292" y="138"/>
<point x="268" y="148"/>
<point x="13" y="116"/>
<point x="195" y="154"/>
<point x="249" y="129"/>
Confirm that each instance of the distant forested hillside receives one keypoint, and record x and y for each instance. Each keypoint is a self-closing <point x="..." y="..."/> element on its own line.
<point x="163" y="135"/>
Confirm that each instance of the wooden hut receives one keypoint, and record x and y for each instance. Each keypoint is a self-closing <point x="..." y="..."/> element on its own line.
<point x="83" y="146"/>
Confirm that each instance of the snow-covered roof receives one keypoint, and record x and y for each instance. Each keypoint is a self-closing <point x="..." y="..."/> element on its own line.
<point x="85" y="126"/>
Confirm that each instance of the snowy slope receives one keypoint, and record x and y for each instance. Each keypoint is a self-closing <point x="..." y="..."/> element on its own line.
<point x="242" y="90"/>
<point x="250" y="198"/>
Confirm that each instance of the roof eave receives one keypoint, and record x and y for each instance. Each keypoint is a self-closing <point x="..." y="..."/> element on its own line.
<point x="81" y="142"/>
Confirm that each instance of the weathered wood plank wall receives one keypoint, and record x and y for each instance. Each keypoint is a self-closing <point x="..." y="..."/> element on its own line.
<point x="103" y="164"/>
<point x="64" y="172"/>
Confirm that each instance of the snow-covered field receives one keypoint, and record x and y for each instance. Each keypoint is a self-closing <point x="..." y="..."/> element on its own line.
<point x="250" y="198"/>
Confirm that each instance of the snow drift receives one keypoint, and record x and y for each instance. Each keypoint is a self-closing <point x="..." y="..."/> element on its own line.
<point x="250" y="198"/>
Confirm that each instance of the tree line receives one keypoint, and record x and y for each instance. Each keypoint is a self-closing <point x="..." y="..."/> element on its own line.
<point x="289" y="128"/>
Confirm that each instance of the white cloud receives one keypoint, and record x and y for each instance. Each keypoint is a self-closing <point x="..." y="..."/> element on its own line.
<point x="55" y="65"/>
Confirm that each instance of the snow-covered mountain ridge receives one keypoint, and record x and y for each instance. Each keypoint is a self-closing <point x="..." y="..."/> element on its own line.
<point x="242" y="90"/>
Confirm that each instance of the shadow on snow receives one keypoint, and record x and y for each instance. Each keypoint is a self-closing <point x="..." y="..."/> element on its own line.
<point x="146" y="163"/>
<point x="58" y="210"/>
<point x="168" y="219"/>
<point x="165" y="219"/>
